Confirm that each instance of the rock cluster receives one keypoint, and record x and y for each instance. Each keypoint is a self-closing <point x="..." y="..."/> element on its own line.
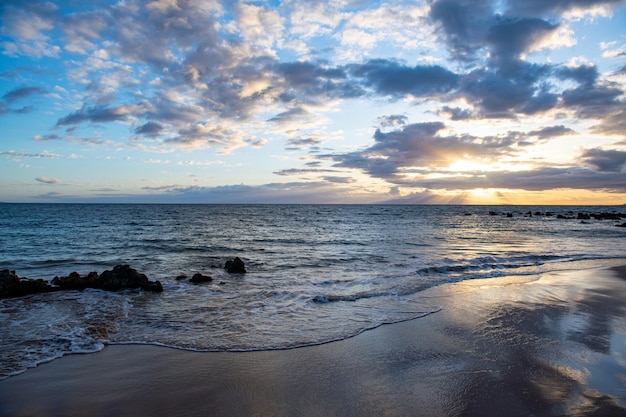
<point x="570" y="215"/>
<point x="13" y="286"/>
<point x="121" y="277"/>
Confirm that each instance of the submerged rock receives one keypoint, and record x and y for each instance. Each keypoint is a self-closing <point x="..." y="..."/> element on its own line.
<point x="236" y="266"/>
<point x="199" y="278"/>
<point x="12" y="285"/>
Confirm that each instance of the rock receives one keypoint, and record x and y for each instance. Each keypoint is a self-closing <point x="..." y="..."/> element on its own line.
<point x="75" y="282"/>
<point x="13" y="286"/>
<point x="621" y="225"/>
<point x="123" y="276"/>
<point x="199" y="278"/>
<point x="236" y="266"/>
<point x="509" y="215"/>
<point x="181" y="277"/>
<point x="154" y="286"/>
<point x="583" y="216"/>
<point x="493" y="213"/>
<point x="608" y="216"/>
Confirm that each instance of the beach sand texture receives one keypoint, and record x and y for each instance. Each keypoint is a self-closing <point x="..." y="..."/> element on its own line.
<point x="545" y="346"/>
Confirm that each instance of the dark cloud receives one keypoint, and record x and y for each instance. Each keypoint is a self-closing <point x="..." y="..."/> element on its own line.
<point x="149" y="129"/>
<point x="612" y="123"/>
<point x="17" y="94"/>
<point x="20" y="93"/>
<point x="605" y="160"/>
<point x="595" y="101"/>
<point x="551" y="132"/>
<point x="390" y="78"/>
<point x="509" y="37"/>
<point x="338" y="180"/>
<point x="585" y="75"/>
<point x="456" y="113"/>
<point x="49" y="137"/>
<point x="392" y="121"/>
<point x="304" y="141"/>
<point x="97" y="114"/>
<point x="311" y="79"/>
<point x="464" y="25"/>
<point x="499" y="94"/>
<point x="289" y="115"/>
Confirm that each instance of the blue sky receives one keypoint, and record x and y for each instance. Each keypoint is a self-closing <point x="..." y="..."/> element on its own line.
<point x="435" y="101"/>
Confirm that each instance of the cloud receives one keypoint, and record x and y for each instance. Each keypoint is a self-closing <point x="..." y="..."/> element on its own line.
<point x="44" y="154"/>
<point x="284" y="193"/>
<point x="540" y="179"/>
<point x="17" y="94"/>
<point x="421" y="145"/>
<point x="605" y="160"/>
<point x="98" y="114"/>
<point x="551" y="132"/>
<point x="149" y="129"/>
<point x="390" y="78"/>
<point x="28" y="26"/>
<point x="612" y="123"/>
<point x="559" y="7"/>
<point x="47" y="180"/>
<point x="21" y="93"/>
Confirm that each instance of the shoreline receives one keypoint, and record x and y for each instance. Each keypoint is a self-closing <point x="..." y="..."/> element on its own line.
<point x="548" y="345"/>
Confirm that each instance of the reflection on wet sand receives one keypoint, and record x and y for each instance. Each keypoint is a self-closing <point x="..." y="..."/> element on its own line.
<point x="563" y="357"/>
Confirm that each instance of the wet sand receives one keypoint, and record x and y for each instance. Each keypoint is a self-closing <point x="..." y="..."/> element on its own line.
<point x="545" y="346"/>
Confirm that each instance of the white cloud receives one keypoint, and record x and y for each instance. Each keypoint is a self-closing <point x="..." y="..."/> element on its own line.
<point x="46" y="180"/>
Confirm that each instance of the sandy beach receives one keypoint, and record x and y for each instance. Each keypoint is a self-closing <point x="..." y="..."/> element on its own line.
<point x="547" y="345"/>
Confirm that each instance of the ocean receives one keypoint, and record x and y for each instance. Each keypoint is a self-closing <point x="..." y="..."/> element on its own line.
<point x="315" y="273"/>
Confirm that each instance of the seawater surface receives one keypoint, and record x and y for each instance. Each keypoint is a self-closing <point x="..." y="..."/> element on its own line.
<point x="316" y="273"/>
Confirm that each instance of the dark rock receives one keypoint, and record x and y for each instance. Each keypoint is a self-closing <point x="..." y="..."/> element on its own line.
<point x="75" y="282"/>
<point x="123" y="276"/>
<point x="199" y="278"/>
<point x="236" y="266"/>
<point x="154" y="286"/>
<point x="509" y="215"/>
<point x="13" y="286"/>
<point x="621" y="225"/>
<point x="608" y="216"/>
<point x="181" y="277"/>
<point x="537" y="213"/>
<point x="583" y="216"/>
<point x="493" y="213"/>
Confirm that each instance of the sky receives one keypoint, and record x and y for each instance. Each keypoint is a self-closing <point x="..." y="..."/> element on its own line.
<point x="307" y="101"/>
